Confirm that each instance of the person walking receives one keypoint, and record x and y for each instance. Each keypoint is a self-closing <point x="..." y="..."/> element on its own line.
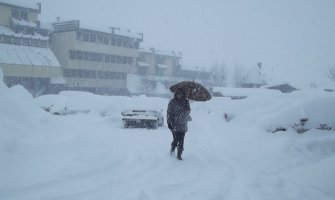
<point x="178" y="114"/>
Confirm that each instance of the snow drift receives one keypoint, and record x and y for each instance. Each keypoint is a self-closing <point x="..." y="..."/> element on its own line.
<point x="90" y="156"/>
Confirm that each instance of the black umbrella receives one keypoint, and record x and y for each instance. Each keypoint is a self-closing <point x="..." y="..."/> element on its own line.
<point x="194" y="91"/>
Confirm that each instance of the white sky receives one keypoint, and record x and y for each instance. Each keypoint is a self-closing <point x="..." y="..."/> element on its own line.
<point x="292" y="38"/>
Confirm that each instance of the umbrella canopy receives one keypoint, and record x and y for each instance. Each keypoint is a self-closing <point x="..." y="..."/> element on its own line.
<point x="194" y="91"/>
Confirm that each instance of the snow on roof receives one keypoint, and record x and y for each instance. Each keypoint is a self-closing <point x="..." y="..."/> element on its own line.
<point x="278" y="84"/>
<point x="160" y="52"/>
<point x="7" y="31"/>
<point x="27" y="55"/>
<point x="127" y="33"/>
<point x="142" y="64"/>
<point x="21" y="3"/>
<point x="109" y="30"/>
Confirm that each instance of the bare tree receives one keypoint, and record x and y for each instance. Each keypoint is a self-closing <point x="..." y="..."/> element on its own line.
<point x="239" y="74"/>
<point x="219" y="74"/>
<point x="331" y="74"/>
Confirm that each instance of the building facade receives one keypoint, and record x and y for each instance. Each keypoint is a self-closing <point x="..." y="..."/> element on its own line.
<point x="94" y="59"/>
<point x="156" y="62"/>
<point x="25" y="56"/>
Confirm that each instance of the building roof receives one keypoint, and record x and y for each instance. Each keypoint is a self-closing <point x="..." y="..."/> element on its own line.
<point x="279" y="84"/>
<point x="76" y="24"/>
<point x="27" y="55"/>
<point x="161" y="52"/>
<point x="21" y="3"/>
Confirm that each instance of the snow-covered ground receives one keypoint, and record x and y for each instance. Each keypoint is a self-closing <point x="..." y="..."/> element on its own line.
<point x="91" y="156"/>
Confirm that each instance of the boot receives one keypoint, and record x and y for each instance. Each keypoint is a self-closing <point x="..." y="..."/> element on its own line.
<point x="179" y="155"/>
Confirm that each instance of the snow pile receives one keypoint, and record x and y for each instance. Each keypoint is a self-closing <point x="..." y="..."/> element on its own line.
<point x="91" y="156"/>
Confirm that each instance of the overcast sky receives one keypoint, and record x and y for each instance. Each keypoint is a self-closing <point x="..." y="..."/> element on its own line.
<point x="292" y="38"/>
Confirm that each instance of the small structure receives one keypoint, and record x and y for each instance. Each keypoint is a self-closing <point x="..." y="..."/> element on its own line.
<point x="283" y="87"/>
<point x="255" y="78"/>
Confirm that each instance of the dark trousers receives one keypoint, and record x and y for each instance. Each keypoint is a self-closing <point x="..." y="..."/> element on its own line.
<point x="178" y="141"/>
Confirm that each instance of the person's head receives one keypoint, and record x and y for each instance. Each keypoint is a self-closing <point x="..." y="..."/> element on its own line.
<point x="179" y="94"/>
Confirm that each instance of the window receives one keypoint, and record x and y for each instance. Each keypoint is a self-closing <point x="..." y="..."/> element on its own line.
<point x="107" y="58"/>
<point x="118" y="60"/>
<point x="86" y="37"/>
<point x="93" y="38"/>
<point x="72" y="54"/>
<point x="160" y="59"/>
<point x="34" y="42"/>
<point x="113" y="41"/>
<point x="79" y="55"/>
<point x="119" y="42"/>
<point x="86" y="55"/>
<point x="106" y="40"/>
<point x="99" y="57"/>
<point x="16" y="13"/>
<point x="26" y="41"/>
<point x="93" y="57"/>
<point x="124" y="60"/>
<point x="79" y="73"/>
<point x="92" y="74"/>
<point x="130" y="60"/>
<point x="100" y="75"/>
<point x="24" y="15"/>
<point x="100" y="39"/>
<point x="43" y="43"/>
<point x="79" y="35"/>
<point x="136" y="45"/>
<point x="7" y="39"/>
<point x="66" y="73"/>
<point x="113" y="59"/>
<point x="17" y="40"/>
<point x="126" y="43"/>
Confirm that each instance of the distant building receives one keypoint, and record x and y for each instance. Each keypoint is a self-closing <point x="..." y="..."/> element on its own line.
<point x="254" y="78"/>
<point x="194" y="73"/>
<point x="155" y="71"/>
<point x="156" y="62"/>
<point x="25" y="56"/>
<point x="95" y="59"/>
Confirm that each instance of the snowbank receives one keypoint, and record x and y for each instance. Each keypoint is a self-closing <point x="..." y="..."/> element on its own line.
<point x="90" y="156"/>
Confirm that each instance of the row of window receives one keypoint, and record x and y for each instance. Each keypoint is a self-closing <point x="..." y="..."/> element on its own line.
<point x="92" y="74"/>
<point x="104" y="39"/>
<point x="23" y="41"/>
<point x="100" y="57"/>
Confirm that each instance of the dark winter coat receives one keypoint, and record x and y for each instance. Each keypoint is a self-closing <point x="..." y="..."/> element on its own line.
<point x="178" y="114"/>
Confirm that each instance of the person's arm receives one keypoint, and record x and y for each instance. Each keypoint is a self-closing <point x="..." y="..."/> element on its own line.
<point x="169" y="115"/>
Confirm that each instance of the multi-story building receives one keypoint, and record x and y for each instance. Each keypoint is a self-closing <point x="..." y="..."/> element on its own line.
<point x="25" y="57"/>
<point x="156" y="62"/>
<point x="155" y="71"/>
<point x="95" y="59"/>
